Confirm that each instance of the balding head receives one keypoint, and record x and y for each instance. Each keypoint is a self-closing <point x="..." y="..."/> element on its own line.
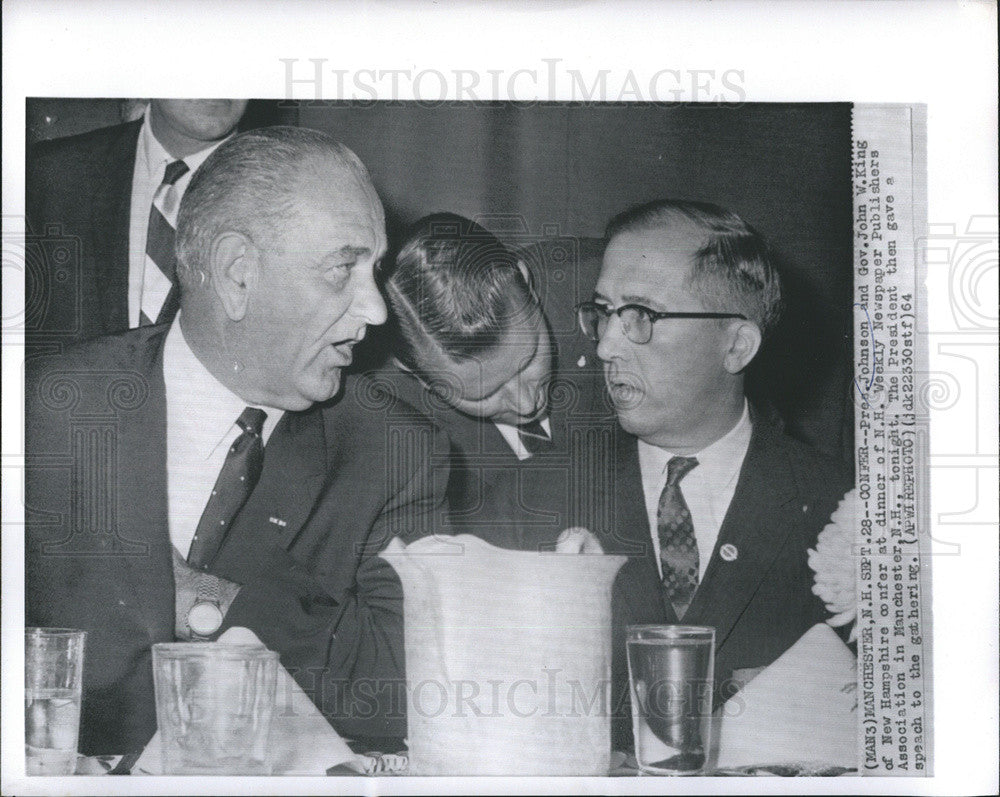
<point x="730" y="265"/>
<point x="278" y="237"/>
<point x="248" y="185"/>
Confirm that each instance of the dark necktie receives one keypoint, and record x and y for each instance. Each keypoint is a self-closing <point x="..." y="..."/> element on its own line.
<point x="678" y="548"/>
<point x="160" y="244"/>
<point x="236" y="481"/>
<point x="534" y="437"/>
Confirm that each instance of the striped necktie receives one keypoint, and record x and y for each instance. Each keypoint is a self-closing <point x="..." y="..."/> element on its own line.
<point x="236" y="481"/>
<point x="678" y="547"/>
<point x="534" y="437"/>
<point x="160" y="273"/>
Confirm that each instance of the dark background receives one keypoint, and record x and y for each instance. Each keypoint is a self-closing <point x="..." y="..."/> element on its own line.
<point x="546" y="177"/>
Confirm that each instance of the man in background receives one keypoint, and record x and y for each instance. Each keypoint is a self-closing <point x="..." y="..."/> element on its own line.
<point x="716" y="506"/>
<point x="114" y="192"/>
<point x="215" y="472"/>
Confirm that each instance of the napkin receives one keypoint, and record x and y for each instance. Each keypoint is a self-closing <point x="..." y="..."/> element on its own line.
<point x="802" y="708"/>
<point x="302" y="741"/>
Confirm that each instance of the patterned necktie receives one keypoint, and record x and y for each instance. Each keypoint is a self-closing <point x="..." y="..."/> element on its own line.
<point x="161" y="262"/>
<point x="534" y="437"/>
<point x="678" y="548"/>
<point x="236" y="481"/>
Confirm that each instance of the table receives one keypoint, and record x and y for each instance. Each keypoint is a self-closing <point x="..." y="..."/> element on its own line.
<point x="377" y="764"/>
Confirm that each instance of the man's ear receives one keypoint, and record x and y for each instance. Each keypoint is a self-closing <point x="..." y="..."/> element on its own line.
<point x="528" y="279"/>
<point x="233" y="263"/>
<point x="743" y="344"/>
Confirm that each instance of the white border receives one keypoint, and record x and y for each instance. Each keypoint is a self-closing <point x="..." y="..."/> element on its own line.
<point x="943" y="54"/>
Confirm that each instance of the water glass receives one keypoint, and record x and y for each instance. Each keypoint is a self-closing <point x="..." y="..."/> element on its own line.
<point x="670" y="676"/>
<point x="53" y="679"/>
<point x="214" y="703"/>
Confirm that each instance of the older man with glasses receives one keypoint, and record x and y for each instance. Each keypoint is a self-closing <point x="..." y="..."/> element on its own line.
<point x="716" y="506"/>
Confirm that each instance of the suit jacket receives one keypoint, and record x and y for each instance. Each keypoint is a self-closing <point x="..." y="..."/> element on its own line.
<point x="759" y="602"/>
<point x="338" y="482"/>
<point x="79" y="193"/>
<point x="512" y="503"/>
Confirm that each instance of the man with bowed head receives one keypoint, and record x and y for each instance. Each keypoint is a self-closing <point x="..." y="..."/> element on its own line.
<point x="717" y="506"/>
<point x="234" y="481"/>
<point x="473" y="349"/>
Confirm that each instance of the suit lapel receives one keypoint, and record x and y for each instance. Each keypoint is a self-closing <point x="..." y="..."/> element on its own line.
<point x="110" y="222"/>
<point x="638" y="583"/>
<point x="762" y="514"/>
<point x="630" y="534"/>
<point x="478" y="441"/>
<point x="143" y="538"/>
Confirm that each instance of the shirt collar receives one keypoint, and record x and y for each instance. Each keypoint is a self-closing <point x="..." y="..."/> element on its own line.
<point x="510" y="433"/>
<point x="514" y="430"/>
<point x="205" y="410"/>
<point x="719" y="462"/>
<point x="153" y="157"/>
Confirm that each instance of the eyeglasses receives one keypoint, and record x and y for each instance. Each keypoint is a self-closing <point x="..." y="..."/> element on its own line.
<point x="637" y="320"/>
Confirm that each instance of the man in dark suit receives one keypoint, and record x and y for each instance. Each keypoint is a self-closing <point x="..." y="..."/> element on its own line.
<point x="715" y="505"/>
<point x="215" y="472"/>
<point x="475" y="353"/>
<point x="112" y="195"/>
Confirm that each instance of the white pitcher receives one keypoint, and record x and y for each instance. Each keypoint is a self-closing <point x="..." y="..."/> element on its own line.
<point x="508" y="658"/>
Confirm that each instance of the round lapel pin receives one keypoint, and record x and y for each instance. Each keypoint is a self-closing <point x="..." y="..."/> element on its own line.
<point x="729" y="552"/>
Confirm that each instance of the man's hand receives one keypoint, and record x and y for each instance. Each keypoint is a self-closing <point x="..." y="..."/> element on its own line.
<point x="185" y="593"/>
<point x="186" y="581"/>
<point x="577" y="539"/>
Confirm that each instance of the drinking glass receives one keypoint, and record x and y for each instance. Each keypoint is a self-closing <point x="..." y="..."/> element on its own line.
<point x="214" y="703"/>
<point x="53" y="678"/>
<point x="670" y="676"/>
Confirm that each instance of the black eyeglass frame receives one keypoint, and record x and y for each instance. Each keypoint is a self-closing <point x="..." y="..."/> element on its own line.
<point x="653" y="316"/>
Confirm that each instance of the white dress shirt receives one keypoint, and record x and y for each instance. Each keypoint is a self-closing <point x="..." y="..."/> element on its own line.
<point x="151" y="161"/>
<point x="201" y="426"/>
<point x="708" y="488"/>
<point x="510" y="434"/>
